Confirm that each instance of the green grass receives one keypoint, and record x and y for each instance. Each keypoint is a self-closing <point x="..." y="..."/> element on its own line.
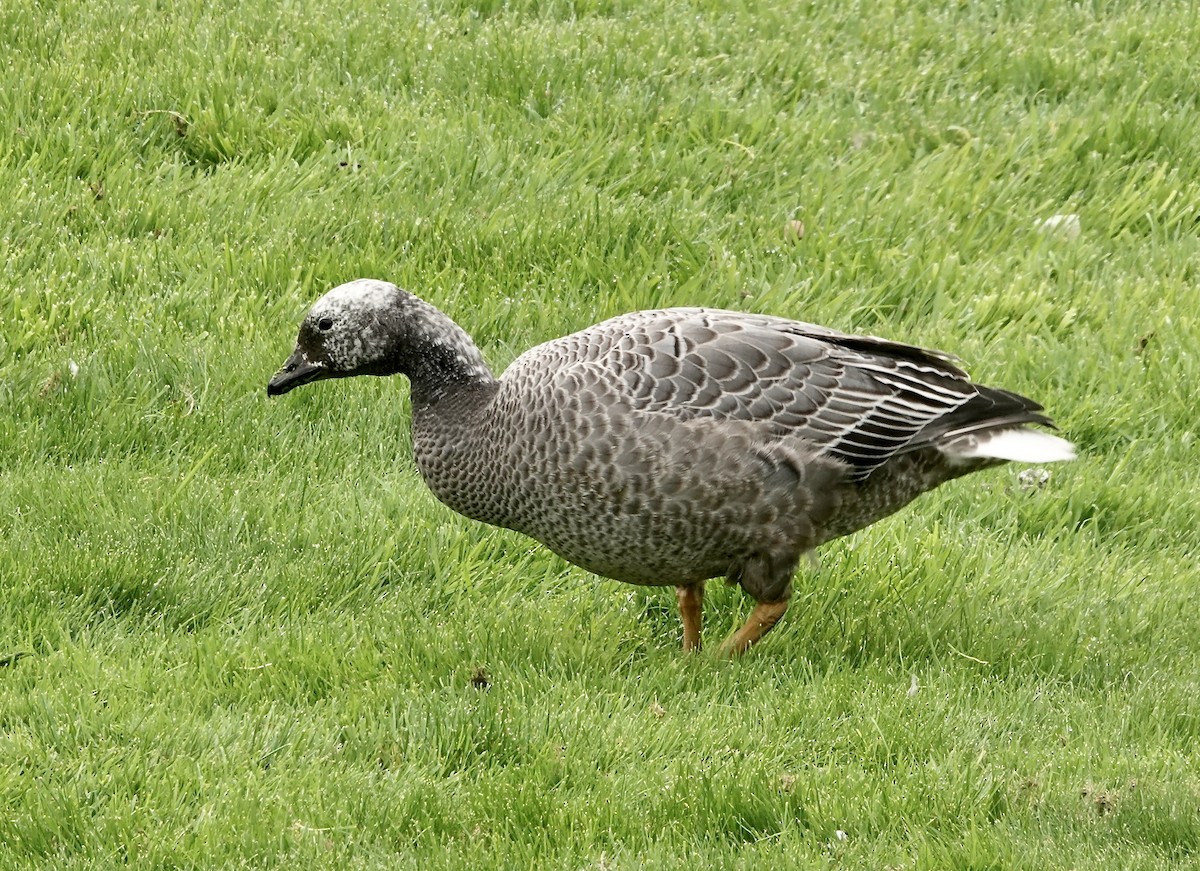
<point x="240" y="633"/>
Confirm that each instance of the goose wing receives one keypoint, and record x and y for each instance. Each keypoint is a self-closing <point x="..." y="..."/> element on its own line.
<point x="861" y="399"/>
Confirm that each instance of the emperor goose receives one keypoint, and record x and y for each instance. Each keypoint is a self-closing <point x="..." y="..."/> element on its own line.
<point x="669" y="447"/>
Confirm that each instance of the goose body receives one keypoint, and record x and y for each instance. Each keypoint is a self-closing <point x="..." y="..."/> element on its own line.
<point x="670" y="447"/>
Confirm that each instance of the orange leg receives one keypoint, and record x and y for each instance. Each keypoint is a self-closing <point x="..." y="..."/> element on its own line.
<point x="759" y="623"/>
<point x="690" y="600"/>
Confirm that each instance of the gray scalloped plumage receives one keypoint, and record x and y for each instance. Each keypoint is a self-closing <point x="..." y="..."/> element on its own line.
<point x="670" y="447"/>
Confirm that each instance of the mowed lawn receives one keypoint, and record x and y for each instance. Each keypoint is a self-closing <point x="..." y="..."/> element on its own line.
<point x="240" y="633"/>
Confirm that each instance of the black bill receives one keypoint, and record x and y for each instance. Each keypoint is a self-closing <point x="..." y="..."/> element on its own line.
<point x="295" y="372"/>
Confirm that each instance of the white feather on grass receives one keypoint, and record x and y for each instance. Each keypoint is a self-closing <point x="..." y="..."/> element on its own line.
<point x="1018" y="445"/>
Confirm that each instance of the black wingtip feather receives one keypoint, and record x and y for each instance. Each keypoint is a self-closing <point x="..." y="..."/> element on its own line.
<point x="990" y="408"/>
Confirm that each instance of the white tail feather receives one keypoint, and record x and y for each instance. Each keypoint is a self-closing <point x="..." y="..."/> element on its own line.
<point x="1019" y="445"/>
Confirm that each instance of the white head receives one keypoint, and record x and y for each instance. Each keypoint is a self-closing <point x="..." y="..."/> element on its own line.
<point x="344" y="333"/>
<point x="371" y="327"/>
<point x="351" y="321"/>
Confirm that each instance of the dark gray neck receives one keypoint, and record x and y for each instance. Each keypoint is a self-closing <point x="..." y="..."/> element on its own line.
<point x="438" y="385"/>
<point x="443" y="362"/>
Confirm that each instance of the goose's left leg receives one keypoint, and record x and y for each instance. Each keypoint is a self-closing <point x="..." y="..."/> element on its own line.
<point x="691" y="600"/>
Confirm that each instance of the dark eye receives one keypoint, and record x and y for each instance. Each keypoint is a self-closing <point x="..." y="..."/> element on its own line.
<point x="325" y="325"/>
